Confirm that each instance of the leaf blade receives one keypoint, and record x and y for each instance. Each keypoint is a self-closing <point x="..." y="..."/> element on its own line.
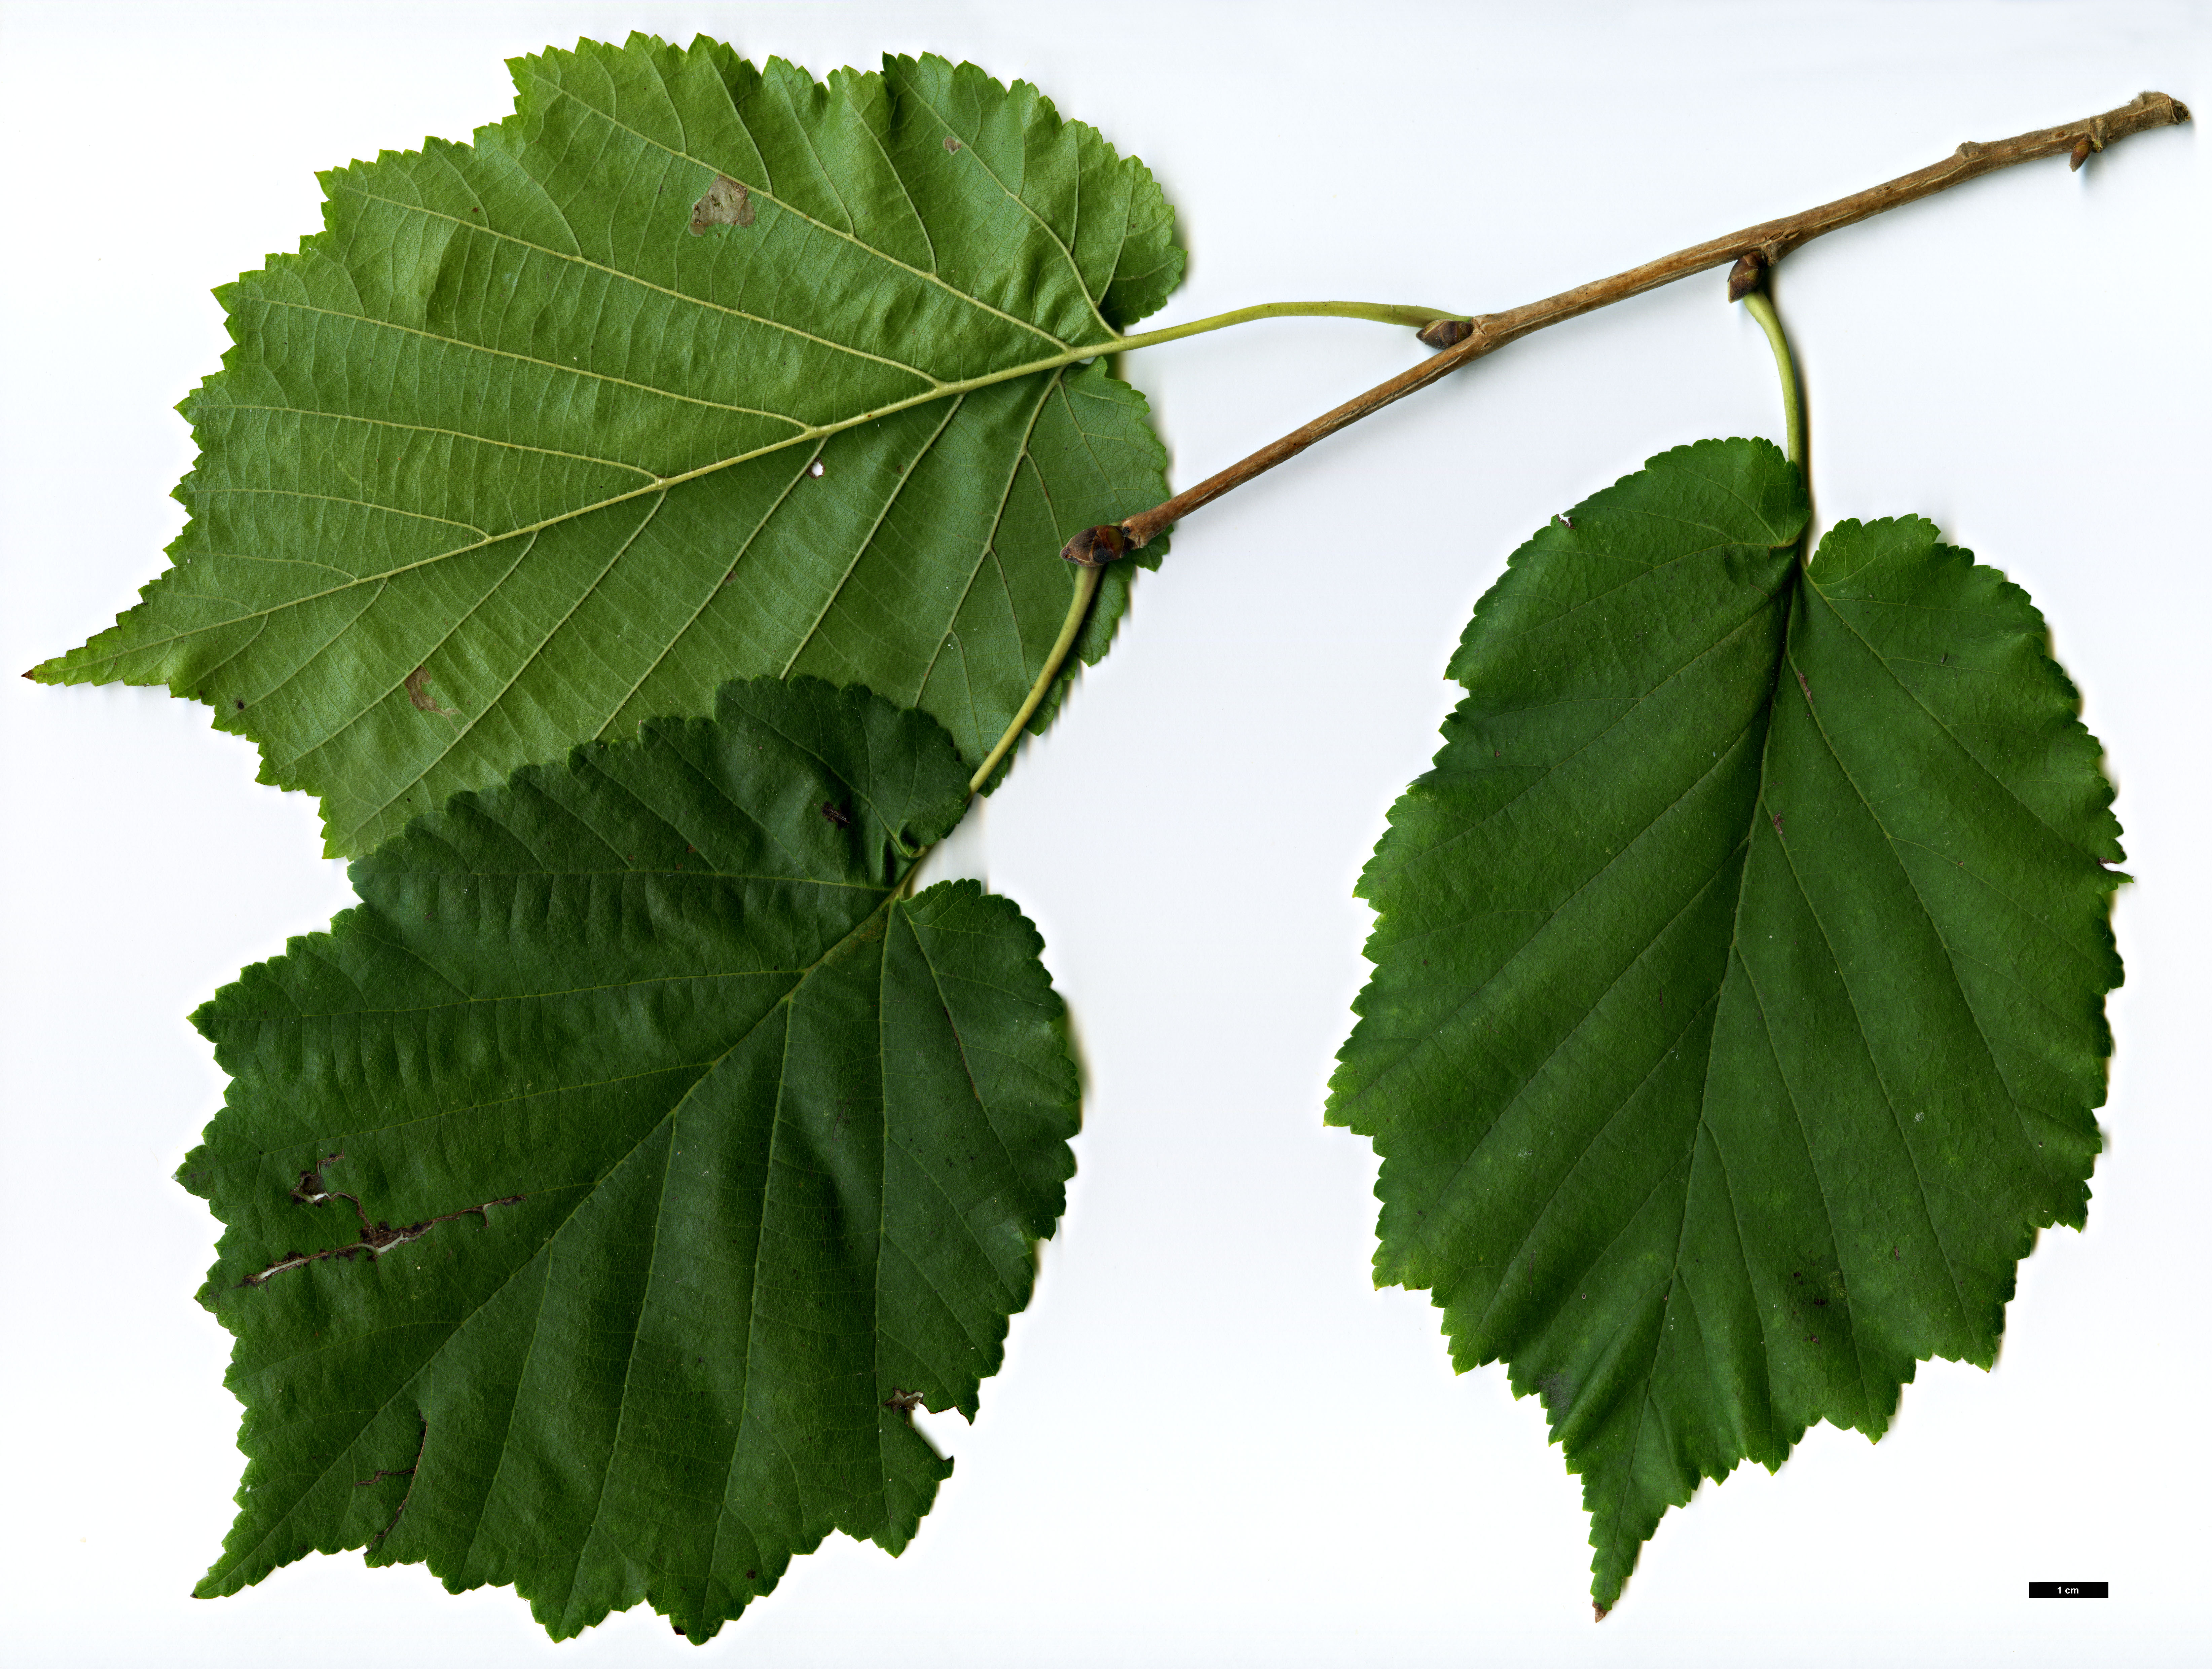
<point x="1712" y="1089"/>
<point x="515" y="453"/>
<point x="596" y="1191"/>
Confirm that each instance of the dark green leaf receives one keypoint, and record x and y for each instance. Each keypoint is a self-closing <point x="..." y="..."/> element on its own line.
<point x="602" y="1191"/>
<point x="522" y="448"/>
<point x="1738" y="1013"/>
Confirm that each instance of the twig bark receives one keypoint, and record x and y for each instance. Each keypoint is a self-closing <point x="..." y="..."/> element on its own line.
<point x="1767" y="243"/>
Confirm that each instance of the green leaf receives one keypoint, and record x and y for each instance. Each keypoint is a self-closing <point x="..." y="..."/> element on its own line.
<point x="1738" y="1012"/>
<point x="522" y="449"/>
<point x="602" y="1193"/>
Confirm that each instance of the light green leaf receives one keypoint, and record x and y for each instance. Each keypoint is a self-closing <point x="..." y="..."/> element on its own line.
<point x="602" y="1193"/>
<point x="1738" y="1013"/>
<point x="687" y="370"/>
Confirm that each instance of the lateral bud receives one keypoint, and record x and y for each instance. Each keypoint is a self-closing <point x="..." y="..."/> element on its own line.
<point x="1094" y="547"/>
<point x="2094" y="140"/>
<point x="1749" y="274"/>
<point x="1445" y="333"/>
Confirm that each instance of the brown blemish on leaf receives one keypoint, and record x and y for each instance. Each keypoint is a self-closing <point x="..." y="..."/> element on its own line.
<point x="951" y="144"/>
<point x="1802" y="685"/>
<point x="837" y="815"/>
<point x="1777" y="816"/>
<point x="418" y="691"/>
<point x="726" y="203"/>
<point x="902" y="1403"/>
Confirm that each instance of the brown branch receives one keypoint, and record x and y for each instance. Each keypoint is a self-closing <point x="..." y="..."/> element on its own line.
<point x="1766" y="243"/>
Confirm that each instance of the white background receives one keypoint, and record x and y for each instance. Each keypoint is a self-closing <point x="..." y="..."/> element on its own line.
<point x="1213" y="1442"/>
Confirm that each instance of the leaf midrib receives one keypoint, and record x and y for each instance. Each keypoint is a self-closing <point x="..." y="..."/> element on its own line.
<point x="659" y="484"/>
<point x="1628" y="1472"/>
<point x="225" y="407"/>
<point x="1787" y="658"/>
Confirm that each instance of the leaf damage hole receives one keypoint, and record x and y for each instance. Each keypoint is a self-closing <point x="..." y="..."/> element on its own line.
<point x="407" y="1472"/>
<point x="726" y="203"/>
<point x="901" y="1402"/>
<point x="376" y="1238"/>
